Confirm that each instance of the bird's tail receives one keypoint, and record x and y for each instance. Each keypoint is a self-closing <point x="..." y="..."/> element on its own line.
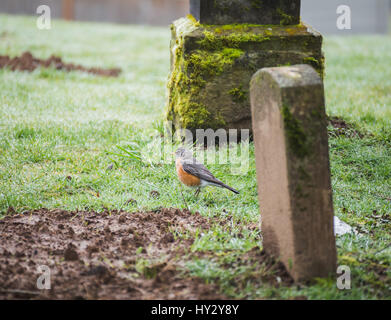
<point x="223" y="185"/>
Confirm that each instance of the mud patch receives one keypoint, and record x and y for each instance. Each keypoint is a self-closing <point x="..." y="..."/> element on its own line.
<point x="341" y="128"/>
<point x="27" y="62"/>
<point x="109" y="255"/>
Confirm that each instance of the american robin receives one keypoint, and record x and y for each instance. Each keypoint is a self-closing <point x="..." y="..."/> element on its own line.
<point x="194" y="174"/>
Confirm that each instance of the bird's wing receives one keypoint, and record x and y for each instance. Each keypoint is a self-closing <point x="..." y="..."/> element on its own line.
<point x="199" y="170"/>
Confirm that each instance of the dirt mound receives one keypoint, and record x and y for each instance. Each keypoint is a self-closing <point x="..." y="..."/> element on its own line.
<point x="27" y="62"/>
<point x="113" y="255"/>
<point x="342" y="128"/>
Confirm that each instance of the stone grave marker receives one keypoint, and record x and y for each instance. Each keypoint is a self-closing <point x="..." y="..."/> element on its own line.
<point x="216" y="50"/>
<point x="246" y="11"/>
<point x="293" y="172"/>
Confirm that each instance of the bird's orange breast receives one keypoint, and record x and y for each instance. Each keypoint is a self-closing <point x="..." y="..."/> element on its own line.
<point x="186" y="178"/>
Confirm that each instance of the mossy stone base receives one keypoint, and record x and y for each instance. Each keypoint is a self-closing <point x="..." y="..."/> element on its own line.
<point x="211" y="68"/>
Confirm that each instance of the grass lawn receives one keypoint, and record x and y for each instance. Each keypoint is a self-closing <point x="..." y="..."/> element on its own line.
<point x="57" y="130"/>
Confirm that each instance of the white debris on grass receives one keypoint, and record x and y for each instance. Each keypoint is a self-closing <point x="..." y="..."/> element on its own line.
<point x="341" y="228"/>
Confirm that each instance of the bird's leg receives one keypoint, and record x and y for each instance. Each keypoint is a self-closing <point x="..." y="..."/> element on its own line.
<point x="183" y="198"/>
<point x="197" y="193"/>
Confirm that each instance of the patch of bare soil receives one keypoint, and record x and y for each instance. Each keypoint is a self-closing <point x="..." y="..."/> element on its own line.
<point x="27" y="62"/>
<point x="342" y="128"/>
<point x="110" y="255"/>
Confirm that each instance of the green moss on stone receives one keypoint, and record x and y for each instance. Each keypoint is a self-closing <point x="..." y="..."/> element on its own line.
<point x="212" y="63"/>
<point x="193" y="20"/>
<point x="303" y="174"/>
<point x="211" y="41"/>
<point x="203" y="64"/>
<point x="193" y="114"/>
<point x="295" y="134"/>
<point x="285" y="19"/>
<point x="191" y="71"/>
<point x="256" y="4"/>
<point x="189" y="76"/>
<point x="238" y="94"/>
<point x="312" y="61"/>
<point x="201" y="53"/>
<point x="318" y="65"/>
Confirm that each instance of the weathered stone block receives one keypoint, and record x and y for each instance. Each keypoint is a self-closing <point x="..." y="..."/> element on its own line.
<point x="211" y="68"/>
<point x="282" y="12"/>
<point x="293" y="172"/>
